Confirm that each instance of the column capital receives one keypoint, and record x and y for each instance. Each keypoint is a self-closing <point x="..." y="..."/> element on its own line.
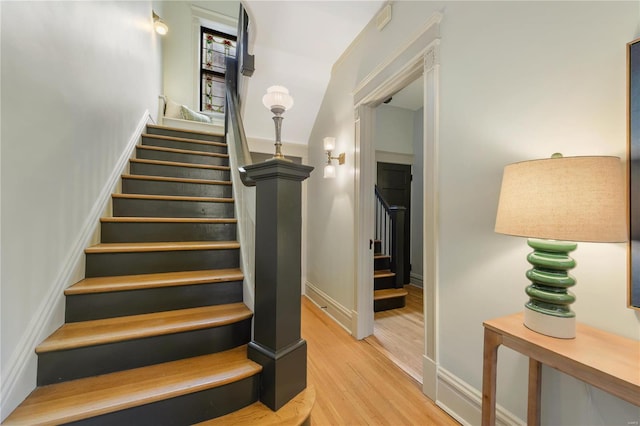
<point x="277" y="168"/>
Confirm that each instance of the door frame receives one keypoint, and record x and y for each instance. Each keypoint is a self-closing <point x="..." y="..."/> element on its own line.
<point x="419" y="57"/>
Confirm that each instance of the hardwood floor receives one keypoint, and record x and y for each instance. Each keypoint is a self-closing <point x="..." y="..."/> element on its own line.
<point x="399" y="333"/>
<point x="356" y="384"/>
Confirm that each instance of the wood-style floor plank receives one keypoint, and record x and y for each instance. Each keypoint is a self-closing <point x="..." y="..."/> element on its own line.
<point x="356" y="384"/>
<point x="78" y="399"/>
<point x="178" y="129"/>
<point x="399" y="333"/>
<point x="102" y="331"/>
<point x="161" y="246"/>
<point x="158" y="280"/>
<point x="293" y="413"/>
<point x="179" y="139"/>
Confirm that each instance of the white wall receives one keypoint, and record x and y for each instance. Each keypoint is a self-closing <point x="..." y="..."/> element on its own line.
<point x="519" y="80"/>
<point x="394" y="130"/>
<point x="77" y="80"/>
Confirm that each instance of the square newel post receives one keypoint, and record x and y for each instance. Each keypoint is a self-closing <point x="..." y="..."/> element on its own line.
<point x="277" y="344"/>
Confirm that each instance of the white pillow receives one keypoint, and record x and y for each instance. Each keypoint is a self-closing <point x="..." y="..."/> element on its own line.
<point x="172" y="109"/>
<point x="188" y="114"/>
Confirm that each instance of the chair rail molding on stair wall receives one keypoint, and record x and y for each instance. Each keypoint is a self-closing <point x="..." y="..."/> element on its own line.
<point x="20" y="370"/>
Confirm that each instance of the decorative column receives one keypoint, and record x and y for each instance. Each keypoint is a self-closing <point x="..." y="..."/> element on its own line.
<point x="277" y="344"/>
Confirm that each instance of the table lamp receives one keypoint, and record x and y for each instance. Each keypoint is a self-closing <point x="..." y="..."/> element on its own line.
<point x="557" y="202"/>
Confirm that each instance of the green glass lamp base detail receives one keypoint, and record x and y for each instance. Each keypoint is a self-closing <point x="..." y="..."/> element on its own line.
<point x="548" y="292"/>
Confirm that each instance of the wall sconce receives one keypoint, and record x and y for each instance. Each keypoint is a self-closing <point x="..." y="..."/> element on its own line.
<point x="159" y="25"/>
<point x="278" y="100"/>
<point x="329" y="169"/>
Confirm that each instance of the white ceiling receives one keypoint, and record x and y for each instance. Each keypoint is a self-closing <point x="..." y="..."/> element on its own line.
<point x="295" y="44"/>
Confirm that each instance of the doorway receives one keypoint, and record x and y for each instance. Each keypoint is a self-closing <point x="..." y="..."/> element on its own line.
<point x="419" y="58"/>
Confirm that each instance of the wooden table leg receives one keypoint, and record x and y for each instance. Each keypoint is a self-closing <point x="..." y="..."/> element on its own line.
<point x="535" y="390"/>
<point x="492" y="341"/>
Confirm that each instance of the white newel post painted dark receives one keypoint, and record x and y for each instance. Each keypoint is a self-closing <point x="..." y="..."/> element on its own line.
<point x="277" y="344"/>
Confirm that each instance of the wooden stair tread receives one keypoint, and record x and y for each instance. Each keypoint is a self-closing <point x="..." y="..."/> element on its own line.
<point x="293" y="413"/>
<point x="175" y="179"/>
<point x="384" y="273"/>
<point x="381" y="256"/>
<point x="165" y="279"/>
<point x="173" y="198"/>
<point x="182" y="151"/>
<point x="137" y="219"/>
<point x="161" y="246"/>
<point x="389" y="293"/>
<point x="97" y="332"/>
<point x="178" y="129"/>
<point x="179" y="164"/>
<point x="179" y="139"/>
<point x="92" y="396"/>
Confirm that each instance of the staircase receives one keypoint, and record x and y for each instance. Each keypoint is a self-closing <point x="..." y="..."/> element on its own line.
<point x="385" y="294"/>
<point x="157" y="334"/>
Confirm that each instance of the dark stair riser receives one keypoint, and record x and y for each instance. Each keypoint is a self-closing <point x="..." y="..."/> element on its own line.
<point x="384" y="282"/>
<point x="179" y="157"/>
<point x="187" y="189"/>
<point x="377" y="246"/>
<point x="131" y="232"/>
<point x="186" y="409"/>
<point x="386" y="304"/>
<point x="139" y="207"/>
<point x="187" y="135"/>
<point x="179" y="144"/>
<point x="382" y="263"/>
<point x="92" y="306"/>
<point x="61" y="366"/>
<point x="107" y="264"/>
<point x="178" y="171"/>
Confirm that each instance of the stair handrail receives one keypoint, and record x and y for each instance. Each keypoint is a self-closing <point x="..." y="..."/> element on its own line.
<point x="233" y="121"/>
<point x="389" y="229"/>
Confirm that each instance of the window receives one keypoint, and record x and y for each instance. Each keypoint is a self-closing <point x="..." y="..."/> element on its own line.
<point x="215" y="47"/>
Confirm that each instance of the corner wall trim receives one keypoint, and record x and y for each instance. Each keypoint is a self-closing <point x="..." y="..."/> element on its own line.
<point x="16" y="369"/>
<point x="333" y="309"/>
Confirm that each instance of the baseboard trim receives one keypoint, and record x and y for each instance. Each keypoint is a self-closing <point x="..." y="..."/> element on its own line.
<point x="417" y="280"/>
<point x="18" y="376"/>
<point x="333" y="309"/>
<point x="429" y="378"/>
<point x="464" y="403"/>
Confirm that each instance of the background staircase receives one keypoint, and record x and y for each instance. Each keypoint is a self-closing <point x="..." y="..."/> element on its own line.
<point x="156" y="333"/>
<point x="385" y="294"/>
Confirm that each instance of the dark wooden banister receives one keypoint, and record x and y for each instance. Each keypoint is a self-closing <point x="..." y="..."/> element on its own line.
<point x="394" y="231"/>
<point x="233" y="121"/>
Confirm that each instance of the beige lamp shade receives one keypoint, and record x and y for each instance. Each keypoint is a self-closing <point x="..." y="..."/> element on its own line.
<point x="565" y="198"/>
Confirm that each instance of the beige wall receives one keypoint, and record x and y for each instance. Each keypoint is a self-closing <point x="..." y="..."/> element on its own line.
<point x="519" y="80"/>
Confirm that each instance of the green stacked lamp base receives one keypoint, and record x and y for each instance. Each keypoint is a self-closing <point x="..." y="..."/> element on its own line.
<point x="548" y="309"/>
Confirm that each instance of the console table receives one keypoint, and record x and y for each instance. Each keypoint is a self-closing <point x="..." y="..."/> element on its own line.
<point x="601" y="359"/>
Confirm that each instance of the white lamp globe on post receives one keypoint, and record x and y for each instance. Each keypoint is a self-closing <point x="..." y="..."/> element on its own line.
<point x="277" y="100"/>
